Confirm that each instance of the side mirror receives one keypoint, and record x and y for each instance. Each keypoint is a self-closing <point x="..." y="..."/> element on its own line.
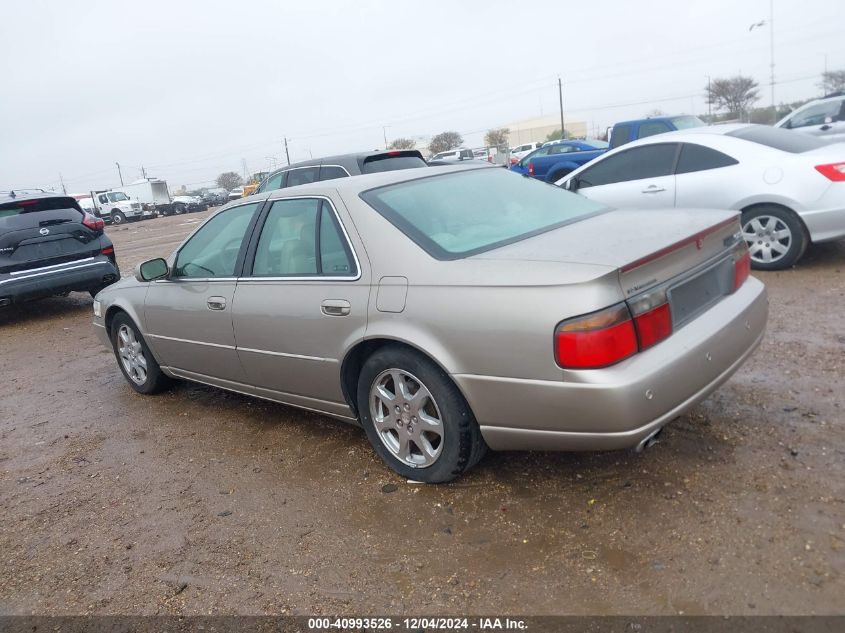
<point x="152" y="270"/>
<point x="571" y="185"/>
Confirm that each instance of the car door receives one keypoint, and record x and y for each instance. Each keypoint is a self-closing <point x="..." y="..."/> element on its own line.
<point x="639" y="177"/>
<point x="189" y="314"/>
<point x="301" y="302"/>
<point x="825" y="120"/>
<point x="702" y="177"/>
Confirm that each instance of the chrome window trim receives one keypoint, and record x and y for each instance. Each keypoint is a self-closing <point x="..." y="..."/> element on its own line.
<point x="338" y="166"/>
<point x="298" y="356"/>
<point x="315" y="277"/>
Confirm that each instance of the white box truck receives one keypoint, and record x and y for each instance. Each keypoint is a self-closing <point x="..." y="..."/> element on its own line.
<point x="152" y="193"/>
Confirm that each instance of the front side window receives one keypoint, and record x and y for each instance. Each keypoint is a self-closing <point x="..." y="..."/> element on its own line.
<point x="301" y="237"/>
<point x="276" y="181"/>
<point x="213" y="250"/>
<point x="816" y="115"/>
<point x="302" y="176"/>
<point x="648" y="161"/>
<point x="103" y="199"/>
<point x="699" y="158"/>
<point x="621" y="134"/>
<point x="456" y="215"/>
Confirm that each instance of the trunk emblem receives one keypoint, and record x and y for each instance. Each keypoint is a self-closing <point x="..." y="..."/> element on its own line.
<point x="44" y="231"/>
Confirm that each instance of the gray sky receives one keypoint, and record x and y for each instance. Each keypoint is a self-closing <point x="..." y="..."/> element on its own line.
<point x="189" y="89"/>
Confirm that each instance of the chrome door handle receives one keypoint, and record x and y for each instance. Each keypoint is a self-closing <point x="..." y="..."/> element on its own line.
<point x="335" y="307"/>
<point x="216" y="303"/>
<point x="825" y="127"/>
<point x="653" y="189"/>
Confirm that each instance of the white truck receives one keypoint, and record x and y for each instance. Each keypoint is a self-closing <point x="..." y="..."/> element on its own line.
<point x="152" y="193"/>
<point x="116" y="207"/>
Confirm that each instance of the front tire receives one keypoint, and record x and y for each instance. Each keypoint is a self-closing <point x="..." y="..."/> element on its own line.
<point x="775" y="236"/>
<point x="415" y="418"/>
<point x="118" y="217"/>
<point x="134" y="358"/>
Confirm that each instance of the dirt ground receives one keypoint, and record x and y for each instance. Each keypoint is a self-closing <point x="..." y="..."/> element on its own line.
<point x="199" y="501"/>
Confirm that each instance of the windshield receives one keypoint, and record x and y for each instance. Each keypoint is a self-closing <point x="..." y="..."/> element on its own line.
<point x="779" y="138"/>
<point x="456" y="215"/>
<point x="117" y="197"/>
<point x="686" y="122"/>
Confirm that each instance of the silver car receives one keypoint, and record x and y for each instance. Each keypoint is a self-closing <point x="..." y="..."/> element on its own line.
<point x="446" y="311"/>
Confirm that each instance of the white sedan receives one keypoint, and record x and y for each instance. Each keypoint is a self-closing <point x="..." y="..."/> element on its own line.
<point x="789" y="187"/>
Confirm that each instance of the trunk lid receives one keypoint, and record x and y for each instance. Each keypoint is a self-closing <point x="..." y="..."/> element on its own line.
<point x="649" y="247"/>
<point x="42" y="232"/>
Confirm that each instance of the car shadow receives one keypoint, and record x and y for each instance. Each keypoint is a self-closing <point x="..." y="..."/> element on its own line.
<point x="823" y="255"/>
<point x="73" y="305"/>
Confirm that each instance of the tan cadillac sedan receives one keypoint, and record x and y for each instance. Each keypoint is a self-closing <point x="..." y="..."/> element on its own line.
<point x="448" y="310"/>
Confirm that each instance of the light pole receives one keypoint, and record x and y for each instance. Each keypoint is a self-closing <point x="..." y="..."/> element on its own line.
<point x="118" y="173"/>
<point x="384" y="133"/>
<point x="771" y="23"/>
<point x="709" y="102"/>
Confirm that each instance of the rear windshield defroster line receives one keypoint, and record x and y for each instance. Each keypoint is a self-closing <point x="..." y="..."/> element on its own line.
<point x="460" y="214"/>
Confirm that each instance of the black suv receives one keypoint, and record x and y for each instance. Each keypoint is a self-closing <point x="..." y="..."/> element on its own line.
<point x="341" y="166"/>
<point x="50" y="246"/>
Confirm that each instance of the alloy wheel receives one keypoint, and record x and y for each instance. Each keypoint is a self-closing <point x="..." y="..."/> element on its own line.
<point x="406" y="418"/>
<point x="131" y="355"/>
<point x="768" y="237"/>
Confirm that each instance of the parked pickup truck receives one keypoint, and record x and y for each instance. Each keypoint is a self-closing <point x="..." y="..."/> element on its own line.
<point x="628" y="131"/>
<point x="556" y="159"/>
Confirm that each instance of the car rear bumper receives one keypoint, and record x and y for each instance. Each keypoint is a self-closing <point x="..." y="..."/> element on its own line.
<point x="622" y="405"/>
<point x="826" y="224"/>
<point x="83" y="274"/>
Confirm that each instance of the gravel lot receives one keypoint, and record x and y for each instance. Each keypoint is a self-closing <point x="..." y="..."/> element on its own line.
<point x="199" y="501"/>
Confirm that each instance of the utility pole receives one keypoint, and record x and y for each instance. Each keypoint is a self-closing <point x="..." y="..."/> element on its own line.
<point x="709" y="102"/>
<point x="287" y="154"/>
<point x="143" y="172"/>
<point x="560" y="96"/>
<point x="118" y="173"/>
<point x="772" y="56"/>
<point x="61" y="180"/>
<point x="384" y="132"/>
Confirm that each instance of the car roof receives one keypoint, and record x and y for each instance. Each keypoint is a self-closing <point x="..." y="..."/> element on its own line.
<point x="29" y="194"/>
<point x="340" y="159"/>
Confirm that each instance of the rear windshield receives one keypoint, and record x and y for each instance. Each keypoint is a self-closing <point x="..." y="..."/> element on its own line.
<point x="778" y="138"/>
<point x="460" y="214"/>
<point x="391" y="162"/>
<point x="16" y="207"/>
<point x="686" y="122"/>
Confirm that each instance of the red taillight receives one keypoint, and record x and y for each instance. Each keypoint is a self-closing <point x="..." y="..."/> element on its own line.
<point x="742" y="268"/>
<point x="832" y="171"/>
<point x="596" y="340"/>
<point x="108" y="251"/>
<point x="93" y="223"/>
<point x="530" y="169"/>
<point x="653" y="326"/>
<point x="514" y="161"/>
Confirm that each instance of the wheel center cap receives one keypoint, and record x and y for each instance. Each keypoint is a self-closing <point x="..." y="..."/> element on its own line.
<point x="406" y="417"/>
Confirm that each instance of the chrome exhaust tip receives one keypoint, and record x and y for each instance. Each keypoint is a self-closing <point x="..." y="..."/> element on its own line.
<point x="649" y="440"/>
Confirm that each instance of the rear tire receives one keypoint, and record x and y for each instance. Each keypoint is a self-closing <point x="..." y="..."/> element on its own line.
<point x="118" y="217"/>
<point x="134" y="358"/>
<point x="415" y="418"/>
<point x="558" y="175"/>
<point x="775" y="236"/>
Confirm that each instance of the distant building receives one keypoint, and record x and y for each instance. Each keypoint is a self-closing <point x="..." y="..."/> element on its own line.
<point x="537" y="129"/>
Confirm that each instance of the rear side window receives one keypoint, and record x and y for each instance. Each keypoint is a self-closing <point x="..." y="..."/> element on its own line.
<point x="637" y="163"/>
<point x="331" y="172"/>
<point x="302" y="176"/>
<point x="699" y="158"/>
<point x="621" y="135"/>
<point x="778" y="138"/>
<point x="650" y="129"/>
<point x="392" y="161"/>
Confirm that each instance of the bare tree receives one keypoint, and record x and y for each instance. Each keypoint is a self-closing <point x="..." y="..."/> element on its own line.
<point x="555" y="136"/>
<point x="497" y="137"/>
<point x="229" y="180"/>
<point x="832" y="81"/>
<point x="444" y="142"/>
<point x="734" y="94"/>
<point x="402" y="143"/>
